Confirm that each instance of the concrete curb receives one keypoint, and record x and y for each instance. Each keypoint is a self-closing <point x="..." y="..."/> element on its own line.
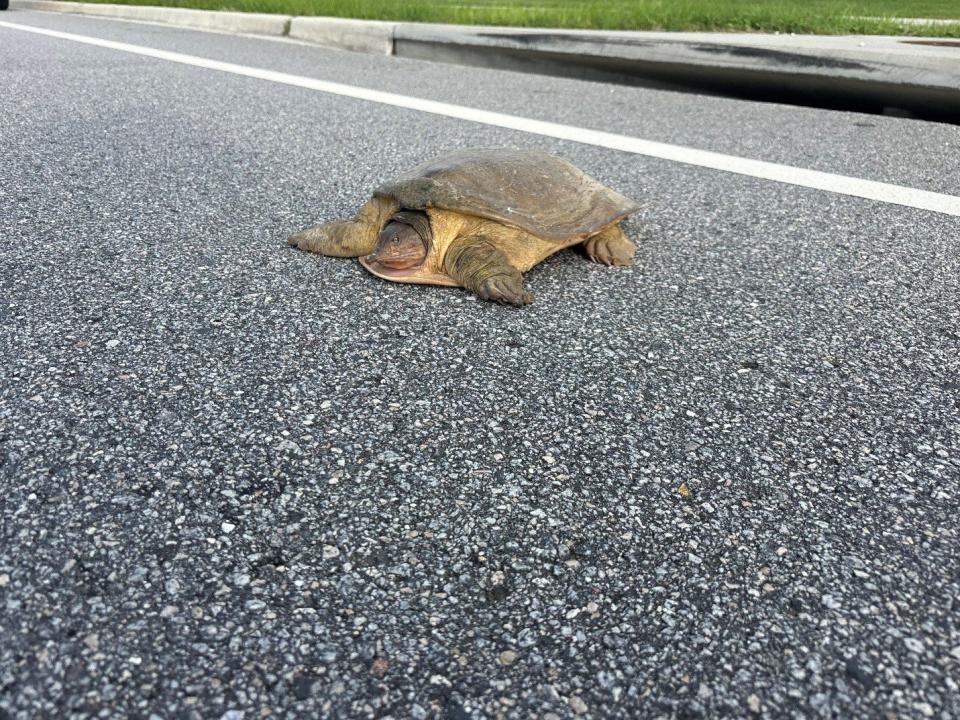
<point x="867" y="58"/>
<point x="911" y="77"/>
<point x="369" y="36"/>
<point x="231" y="22"/>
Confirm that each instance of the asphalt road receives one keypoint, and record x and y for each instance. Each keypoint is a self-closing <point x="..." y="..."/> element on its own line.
<point x="238" y="480"/>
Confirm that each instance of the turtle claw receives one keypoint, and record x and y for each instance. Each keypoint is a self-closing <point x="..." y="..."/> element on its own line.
<point x="310" y="240"/>
<point x="505" y="290"/>
<point x="610" y="248"/>
<point x="476" y="264"/>
<point x="601" y="252"/>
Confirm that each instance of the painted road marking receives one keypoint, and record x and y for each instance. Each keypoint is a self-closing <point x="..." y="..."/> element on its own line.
<point x="842" y="184"/>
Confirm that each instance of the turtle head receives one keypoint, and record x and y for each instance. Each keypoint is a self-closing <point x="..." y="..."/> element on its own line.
<point x="403" y="242"/>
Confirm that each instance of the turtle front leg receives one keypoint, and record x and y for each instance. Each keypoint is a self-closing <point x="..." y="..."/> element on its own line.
<point x="481" y="268"/>
<point x="347" y="238"/>
<point x="610" y="247"/>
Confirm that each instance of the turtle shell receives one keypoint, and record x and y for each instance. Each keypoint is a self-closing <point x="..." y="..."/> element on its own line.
<point x="532" y="190"/>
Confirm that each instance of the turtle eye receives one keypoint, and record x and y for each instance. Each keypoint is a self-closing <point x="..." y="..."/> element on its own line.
<point x="395" y="239"/>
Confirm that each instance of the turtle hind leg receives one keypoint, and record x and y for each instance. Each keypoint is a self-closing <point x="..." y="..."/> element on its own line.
<point x="610" y="247"/>
<point x="347" y="238"/>
<point x="480" y="267"/>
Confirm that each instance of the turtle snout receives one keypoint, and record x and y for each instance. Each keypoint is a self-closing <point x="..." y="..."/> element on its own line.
<point x="392" y="259"/>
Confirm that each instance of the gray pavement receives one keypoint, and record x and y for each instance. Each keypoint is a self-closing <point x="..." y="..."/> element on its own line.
<point x="868" y="146"/>
<point x="241" y="481"/>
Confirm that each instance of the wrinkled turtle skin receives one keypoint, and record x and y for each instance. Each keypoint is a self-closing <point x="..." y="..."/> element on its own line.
<point x="478" y="219"/>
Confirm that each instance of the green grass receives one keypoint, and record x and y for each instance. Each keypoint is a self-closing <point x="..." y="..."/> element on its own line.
<point x="799" y="16"/>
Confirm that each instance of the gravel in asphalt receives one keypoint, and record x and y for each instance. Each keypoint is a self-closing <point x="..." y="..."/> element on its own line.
<point x="239" y="480"/>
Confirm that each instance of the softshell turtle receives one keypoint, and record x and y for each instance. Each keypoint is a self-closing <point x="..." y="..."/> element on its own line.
<point x="478" y="219"/>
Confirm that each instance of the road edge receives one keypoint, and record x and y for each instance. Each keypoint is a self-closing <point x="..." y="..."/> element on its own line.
<point x="878" y="74"/>
<point x="221" y="21"/>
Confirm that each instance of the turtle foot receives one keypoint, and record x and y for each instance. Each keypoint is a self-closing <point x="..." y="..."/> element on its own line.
<point x="611" y="247"/>
<point x="504" y="289"/>
<point x="295" y="240"/>
<point x="336" y="239"/>
<point x="313" y="239"/>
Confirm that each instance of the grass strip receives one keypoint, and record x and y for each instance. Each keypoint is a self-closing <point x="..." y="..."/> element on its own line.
<point x="825" y="17"/>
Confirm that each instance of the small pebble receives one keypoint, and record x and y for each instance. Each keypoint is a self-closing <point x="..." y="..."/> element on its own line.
<point x="913" y="645"/>
<point x="379" y="667"/>
<point x="829" y="601"/>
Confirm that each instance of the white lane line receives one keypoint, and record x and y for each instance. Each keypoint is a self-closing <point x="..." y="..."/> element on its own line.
<point x="842" y="184"/>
